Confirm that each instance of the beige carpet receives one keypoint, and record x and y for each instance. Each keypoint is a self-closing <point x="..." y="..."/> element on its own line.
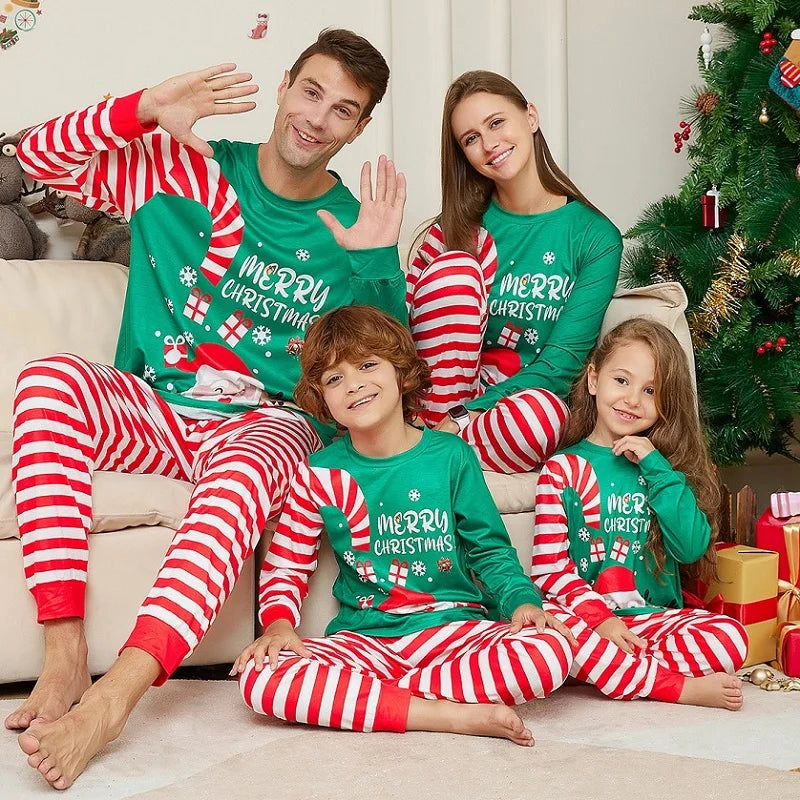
<point x="195" y="740"/>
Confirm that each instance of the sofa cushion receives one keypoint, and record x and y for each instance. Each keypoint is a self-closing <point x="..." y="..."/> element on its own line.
<point x="119" y="500"/>
<point x="56" y="307"/>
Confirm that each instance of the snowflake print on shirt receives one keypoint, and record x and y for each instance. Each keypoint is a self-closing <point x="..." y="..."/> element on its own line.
<point x="188" y="276"/>
<point x="187" y="335"/>
<point x="549" y="257"/>
<point x="170" y="305"/>
<point x="261" y="335"/>
<point x="636" y="547"/>
<point x="303" y="255"/>
<point x="149" y="373"/>
<point x="584" y="565"/>
<point x="531" y="336"/>
<point x="414" y="495"/>
<point x="584" y="534"/>
<point x="419" y="568"/>
<point x="641" y="480"/>
<point x="349" y="558"/>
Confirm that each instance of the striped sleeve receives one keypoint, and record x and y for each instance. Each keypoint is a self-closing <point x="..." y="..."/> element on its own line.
<point x="552" y="570"/>
<point x="106" y="159"/>
<point x="292" y="555"/>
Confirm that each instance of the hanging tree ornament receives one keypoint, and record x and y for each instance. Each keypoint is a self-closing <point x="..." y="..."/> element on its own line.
<point x="763" y="117"/>
<point x="713" y="215"/>
<point x="785" y="78"/>
<point x="705" y="46"/>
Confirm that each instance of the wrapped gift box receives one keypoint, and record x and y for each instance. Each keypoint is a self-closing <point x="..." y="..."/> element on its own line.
<point x="748" y="584"/>
<point x="770" y="535"/>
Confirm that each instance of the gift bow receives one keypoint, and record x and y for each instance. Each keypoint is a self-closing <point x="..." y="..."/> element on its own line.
<point x="788" y="591"/>
<point x="716" y="605"/>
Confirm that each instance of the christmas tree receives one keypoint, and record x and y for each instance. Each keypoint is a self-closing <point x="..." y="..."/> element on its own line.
<point x="731" y="236"/>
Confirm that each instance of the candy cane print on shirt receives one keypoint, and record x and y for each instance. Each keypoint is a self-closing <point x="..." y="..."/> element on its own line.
<point x="338" y="488"/>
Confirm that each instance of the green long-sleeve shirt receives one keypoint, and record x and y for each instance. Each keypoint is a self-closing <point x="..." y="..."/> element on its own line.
<point x="407" y="531"/>
<point x="556" y="274"/>
<point x="593" y="516"/>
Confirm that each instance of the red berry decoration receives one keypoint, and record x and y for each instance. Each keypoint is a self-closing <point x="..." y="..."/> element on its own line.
<point x="760" y="350"/>
<point x="782" y="340"/>
<point x="677" y="149"/>
<point x="682" y="124"/>
<point x="768" y="345"/>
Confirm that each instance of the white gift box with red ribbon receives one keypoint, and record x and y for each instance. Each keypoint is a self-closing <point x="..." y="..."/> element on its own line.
<point x="509" y="336"/>
<point x="366" y="571"/>
<point x="619" y="552"/>
<point x="597" y="550"/>
<point x="197" y="305"/>
<point x="234" y="328"/>
<point x="175" y="350"/>
<point x="398" y="572"/>
<point x="366" y="602"/>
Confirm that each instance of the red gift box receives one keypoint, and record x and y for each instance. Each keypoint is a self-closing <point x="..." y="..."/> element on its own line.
<point x="789" y="605"/>
<point x="789" y="650"/>
<point x="770" y="535"/>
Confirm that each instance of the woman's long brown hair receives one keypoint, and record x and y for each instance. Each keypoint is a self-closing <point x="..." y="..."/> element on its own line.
<point x="677" y="433"/>
<point x="465" y="193"/>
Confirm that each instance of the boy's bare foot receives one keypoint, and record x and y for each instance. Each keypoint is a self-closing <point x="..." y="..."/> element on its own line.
<point x="61" y="750"/>
<point x="64" y="679"/>
<point x="475" y="719"/>
<point x="719" y="690"/>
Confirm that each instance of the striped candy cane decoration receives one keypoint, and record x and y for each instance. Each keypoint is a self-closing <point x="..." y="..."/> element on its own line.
<point x="338" y="488"/>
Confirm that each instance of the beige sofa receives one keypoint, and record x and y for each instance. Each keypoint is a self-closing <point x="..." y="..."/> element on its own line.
<point x="71" y="306"/>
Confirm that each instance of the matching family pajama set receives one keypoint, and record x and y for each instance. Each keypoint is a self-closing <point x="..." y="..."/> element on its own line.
<point x="591" y="559"/>
<point x="508" y="332"/>
<point x="406" y="531"/>
<point x="225" y="277"/>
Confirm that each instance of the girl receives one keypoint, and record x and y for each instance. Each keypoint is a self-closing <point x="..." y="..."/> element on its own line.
<point x="408" y="516"/>
<point x="631" y="497"/>
<point x="507" y="293"/>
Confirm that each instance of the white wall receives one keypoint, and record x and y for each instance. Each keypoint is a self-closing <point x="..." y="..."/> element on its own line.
<point x="607" y="88"/>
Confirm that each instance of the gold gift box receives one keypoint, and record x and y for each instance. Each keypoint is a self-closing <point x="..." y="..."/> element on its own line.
<point x="748" y="583"/>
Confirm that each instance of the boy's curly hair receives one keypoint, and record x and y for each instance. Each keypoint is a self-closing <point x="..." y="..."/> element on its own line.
<point x="351" y="333"/>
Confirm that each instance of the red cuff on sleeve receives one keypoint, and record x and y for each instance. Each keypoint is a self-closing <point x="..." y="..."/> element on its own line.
<point x="273" y="613"/>
<point x="122" y="116"/>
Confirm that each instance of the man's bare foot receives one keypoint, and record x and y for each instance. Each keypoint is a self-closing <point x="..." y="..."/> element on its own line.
<point x="61" y="750"/>
<point x="719" y="690"/>
<point x="64" y="679"/>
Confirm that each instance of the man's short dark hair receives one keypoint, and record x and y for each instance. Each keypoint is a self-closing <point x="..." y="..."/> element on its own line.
<point x="357" y="56"/>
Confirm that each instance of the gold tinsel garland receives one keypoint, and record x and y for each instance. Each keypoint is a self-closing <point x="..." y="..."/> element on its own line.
<point x="721" y="301"/>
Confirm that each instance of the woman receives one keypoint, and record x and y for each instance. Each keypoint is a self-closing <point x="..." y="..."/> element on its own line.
<point x="509" y="288"/>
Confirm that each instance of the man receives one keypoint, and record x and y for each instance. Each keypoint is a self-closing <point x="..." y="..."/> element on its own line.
<point x="236" y="249"/>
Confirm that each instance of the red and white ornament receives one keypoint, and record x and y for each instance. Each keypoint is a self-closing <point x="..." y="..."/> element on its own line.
<point x="176" y="350"/>
<point x="398" y="572"/>
<point x="714" y="216"/>
<point x="234" y="328"/>
<point x="509" y="336"/>
<point x="197" y="305"/>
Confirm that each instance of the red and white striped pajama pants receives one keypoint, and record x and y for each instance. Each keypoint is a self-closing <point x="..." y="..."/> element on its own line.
<point x="448" y="314"/>
<point x="366" y="683"/>
<point x="73" y="417"/>
<point x="681" y="643"/>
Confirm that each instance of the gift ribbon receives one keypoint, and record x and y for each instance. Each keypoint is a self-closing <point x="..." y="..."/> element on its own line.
<point x="750" y="613"/>
<point x="716" y="605"/>
<point x="788" y="591"/>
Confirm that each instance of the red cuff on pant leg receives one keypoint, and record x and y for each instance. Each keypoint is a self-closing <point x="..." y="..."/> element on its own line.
<point x="161" y="641"/>
<point x="392" y="711"/>
<point x="667" y="686"/>
<point x="60" y="600"/>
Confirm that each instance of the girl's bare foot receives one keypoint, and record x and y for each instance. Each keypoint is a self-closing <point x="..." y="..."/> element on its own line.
<point x="64" y="679"/>
<point x="719" y="690"/>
